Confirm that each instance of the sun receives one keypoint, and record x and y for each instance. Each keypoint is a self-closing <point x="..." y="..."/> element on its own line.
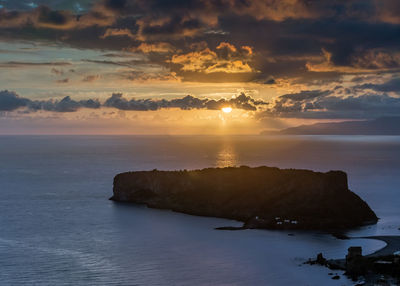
<point x="227" y="109"/>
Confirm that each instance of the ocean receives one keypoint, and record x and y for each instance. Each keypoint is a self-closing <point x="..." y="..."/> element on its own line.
<point x="57" y="226"/>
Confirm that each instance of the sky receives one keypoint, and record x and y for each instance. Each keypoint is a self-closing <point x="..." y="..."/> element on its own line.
<point x="171" y="66"/>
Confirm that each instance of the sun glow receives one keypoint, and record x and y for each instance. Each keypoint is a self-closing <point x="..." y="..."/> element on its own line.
<point x="226" y="109"/>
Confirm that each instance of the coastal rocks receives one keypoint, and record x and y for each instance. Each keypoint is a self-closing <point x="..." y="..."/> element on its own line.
<point x="336" y="277"/>
<point x="320" y="260"/>
<point x="261" y="197"/>
<point x="372" y="269"/>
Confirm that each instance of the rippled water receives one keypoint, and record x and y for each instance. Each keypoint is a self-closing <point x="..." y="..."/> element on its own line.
<point x="59" y="228"/>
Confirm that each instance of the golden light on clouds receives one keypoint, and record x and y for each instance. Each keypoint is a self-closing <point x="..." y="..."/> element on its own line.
<point x="226" y="58"/>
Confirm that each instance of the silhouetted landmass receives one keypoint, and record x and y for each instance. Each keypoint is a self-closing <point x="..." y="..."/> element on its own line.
<point x="380" y="126"/>
<point x="261" y="197"/>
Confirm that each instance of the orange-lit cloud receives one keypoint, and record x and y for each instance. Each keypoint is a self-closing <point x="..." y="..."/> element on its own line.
<point x="118" y="32"/>
<point x="160" y="47"/>
<point x="226" y="59"/>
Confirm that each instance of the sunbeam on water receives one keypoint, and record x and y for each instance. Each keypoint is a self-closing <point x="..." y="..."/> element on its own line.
<point x="226" y="157"/>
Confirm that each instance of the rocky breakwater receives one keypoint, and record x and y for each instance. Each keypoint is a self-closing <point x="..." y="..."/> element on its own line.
<point x="261" y="197"/>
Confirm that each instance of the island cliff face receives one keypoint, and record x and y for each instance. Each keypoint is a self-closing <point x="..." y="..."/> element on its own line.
<point x="261" y="197"/>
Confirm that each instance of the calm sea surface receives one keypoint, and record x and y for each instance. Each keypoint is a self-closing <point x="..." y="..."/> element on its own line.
<point x="57" y="226"/>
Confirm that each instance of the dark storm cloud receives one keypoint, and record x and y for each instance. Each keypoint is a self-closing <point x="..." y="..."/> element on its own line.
<point x="332" y="104"/>
<point x="10" y="101"/>
<point x="304" y="95"/>
<point x="287" y="36"/>
<point x="115" y="4"/>
<point x="174" y="26"/>
<point x="392" y="85"/>
<point x="23" y="5"/>
<point x="338" y="103"/>
<point x="40" y="17"/>
<point x="185" y="103"/>
<point x="64" y="105"/>
<point x="284" y="48"/>
<point x="46" y="15"/>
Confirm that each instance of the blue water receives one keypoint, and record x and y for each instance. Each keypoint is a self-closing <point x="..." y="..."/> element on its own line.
<point x="57" y="226"/>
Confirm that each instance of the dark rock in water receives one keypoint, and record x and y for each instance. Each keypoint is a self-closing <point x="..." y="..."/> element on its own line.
<point x="262" y="197"/>
<point x="340" y="236"/>
<point x="336" y="277"/>
<point x="229" y="228"/>
<point x="320" y="259"/>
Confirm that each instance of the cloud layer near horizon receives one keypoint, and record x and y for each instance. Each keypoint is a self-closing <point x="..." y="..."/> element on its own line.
<point x="11" y="101"/>
<point x="338" y="103"/>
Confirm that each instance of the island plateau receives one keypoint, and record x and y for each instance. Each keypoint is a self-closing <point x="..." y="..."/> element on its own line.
<point x="261" y="197"/>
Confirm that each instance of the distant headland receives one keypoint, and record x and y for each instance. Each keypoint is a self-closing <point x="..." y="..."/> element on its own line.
<point x="261" y="197"/>
<point x="379" y="126"/>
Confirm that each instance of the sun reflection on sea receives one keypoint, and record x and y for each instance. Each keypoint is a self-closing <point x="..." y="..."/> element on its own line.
<point x="226" y="157"/>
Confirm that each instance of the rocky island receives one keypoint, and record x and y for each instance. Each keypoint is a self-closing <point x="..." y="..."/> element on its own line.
<point x="261" y="197"/>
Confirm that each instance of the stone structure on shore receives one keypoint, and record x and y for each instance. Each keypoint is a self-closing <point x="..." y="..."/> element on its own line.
<point x="373" y="269"/>
<point x="354" y="260"/>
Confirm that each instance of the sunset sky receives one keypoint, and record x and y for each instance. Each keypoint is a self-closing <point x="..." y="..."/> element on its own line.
<point x="169" y="67"/>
